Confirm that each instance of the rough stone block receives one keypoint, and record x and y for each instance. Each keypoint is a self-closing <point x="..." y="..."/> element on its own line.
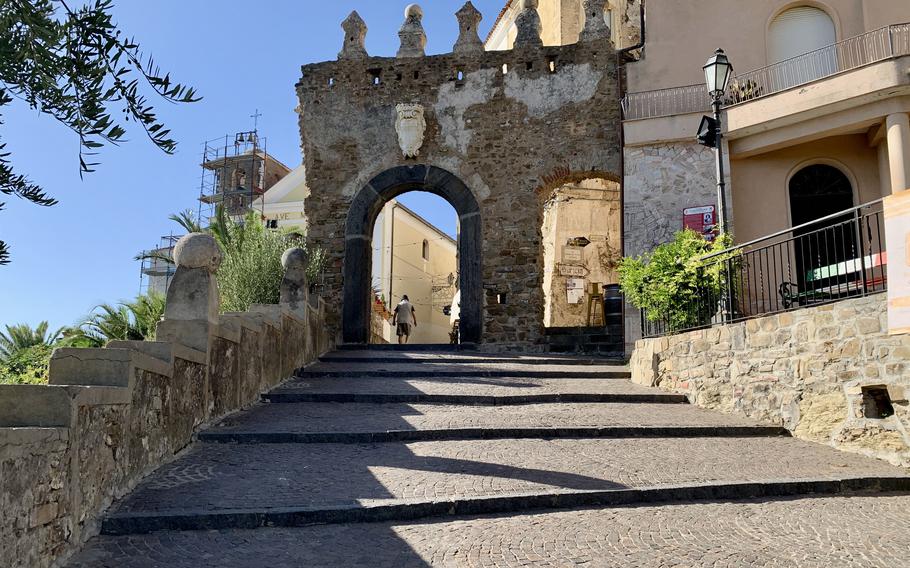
<point x="97" y="367"/>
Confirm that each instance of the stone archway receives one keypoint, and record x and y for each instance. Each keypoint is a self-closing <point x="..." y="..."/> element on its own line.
<point x="364" y="209"/>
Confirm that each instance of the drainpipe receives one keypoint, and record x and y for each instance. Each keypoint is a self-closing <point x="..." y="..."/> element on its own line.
<point x="621" y="59"/>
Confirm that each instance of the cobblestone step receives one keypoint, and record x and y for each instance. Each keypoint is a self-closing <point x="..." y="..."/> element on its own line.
<point x="206" y="520"/>
<point x="389" y="422"/>
<point x="467" y="359"/>
<point x="411" y="347"/>
<point x="817" y="532"/>
<point x="489" y="434"/>
<point x="291" y="396"/>
<point x="237" y="485"/>
<point x="430" y="372"/>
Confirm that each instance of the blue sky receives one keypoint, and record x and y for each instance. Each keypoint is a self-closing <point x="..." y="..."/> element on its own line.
<point x="241" y="56"/>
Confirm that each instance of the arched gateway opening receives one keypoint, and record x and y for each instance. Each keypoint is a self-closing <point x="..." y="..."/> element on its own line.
<point x="365" y="207"/>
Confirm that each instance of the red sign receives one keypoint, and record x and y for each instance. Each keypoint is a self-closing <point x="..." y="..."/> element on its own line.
<point x="702" y="220"/>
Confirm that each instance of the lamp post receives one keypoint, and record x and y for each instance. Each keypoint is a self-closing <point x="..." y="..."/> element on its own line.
<point x="718" y="71"/>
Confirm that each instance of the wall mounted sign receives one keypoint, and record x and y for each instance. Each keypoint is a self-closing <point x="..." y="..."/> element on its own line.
<point x="897" y="235"/>
<point x="573" y="254"/>
<point x="702" y="220"/>
<point x="572" y="270"/>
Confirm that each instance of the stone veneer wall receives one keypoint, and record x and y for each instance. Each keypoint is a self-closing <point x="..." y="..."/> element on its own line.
<point x="803" y="369"/>
<point x="110" y="416"/>
<point x="660" y="181"/>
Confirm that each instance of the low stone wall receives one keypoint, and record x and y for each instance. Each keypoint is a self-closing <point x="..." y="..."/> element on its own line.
<point x="110" y="416"/>
<point x="815" y="371"/>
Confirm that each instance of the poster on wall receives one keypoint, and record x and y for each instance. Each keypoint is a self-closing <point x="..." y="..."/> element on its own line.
<point x="897" y="235"/>
<point x="701" y="220"/>
<point x="575" y="290"/>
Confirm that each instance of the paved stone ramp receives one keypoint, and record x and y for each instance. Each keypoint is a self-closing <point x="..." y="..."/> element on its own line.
<point x="391" y="458"/>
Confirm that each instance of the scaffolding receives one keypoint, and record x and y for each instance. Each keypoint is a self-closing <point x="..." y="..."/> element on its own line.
<point x="156" y="272"/>
<point x="236" y="170"/>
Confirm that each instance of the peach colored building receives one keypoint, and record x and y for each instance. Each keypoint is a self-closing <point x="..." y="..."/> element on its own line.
<point x="816" y="121"/>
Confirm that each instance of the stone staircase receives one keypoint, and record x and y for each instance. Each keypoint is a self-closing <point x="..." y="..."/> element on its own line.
<point x="393" y="453"/>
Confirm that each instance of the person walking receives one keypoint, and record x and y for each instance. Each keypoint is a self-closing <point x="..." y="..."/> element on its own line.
<point x="404" y="320"/>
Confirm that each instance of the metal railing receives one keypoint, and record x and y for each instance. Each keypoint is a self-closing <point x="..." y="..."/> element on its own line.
<point x="872" y="47"/>
<point x="830" y="259"/>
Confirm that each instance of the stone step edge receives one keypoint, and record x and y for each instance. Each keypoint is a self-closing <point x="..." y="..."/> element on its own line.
<point x="581" y="361"/>
<point x="188" y="520"/>
<point x="288" y="396"/>
<point x="452" y="434"/>
<point x="413" y="347"/>
<point x="385" y="374"/>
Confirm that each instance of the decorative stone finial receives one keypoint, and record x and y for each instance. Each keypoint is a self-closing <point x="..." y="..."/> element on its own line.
<point x="197" y="250"/>
<point x="528" y="24"/>
<point x="413" y="38"/>
<point x="355" y="33"/>
<point x="468" y="20"/>
<point x="294" y="288"/>
<point x="191" y="309"/>
<point x="595" y="25"/>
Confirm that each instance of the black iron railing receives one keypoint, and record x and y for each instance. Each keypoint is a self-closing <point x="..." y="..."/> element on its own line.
<point x="827" y="260"/>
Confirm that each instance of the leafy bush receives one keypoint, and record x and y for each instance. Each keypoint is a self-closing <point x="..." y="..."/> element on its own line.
<point x="672" y="283"/>
<point x="27" y="366"/>
<point x="251" y="270"/>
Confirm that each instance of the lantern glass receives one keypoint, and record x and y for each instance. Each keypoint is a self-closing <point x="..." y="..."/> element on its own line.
<point x="718" y="71"/>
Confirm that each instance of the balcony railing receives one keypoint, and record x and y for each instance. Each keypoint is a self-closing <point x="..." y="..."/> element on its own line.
<point x="831" y="259"/>
<point x="846" y="55"/>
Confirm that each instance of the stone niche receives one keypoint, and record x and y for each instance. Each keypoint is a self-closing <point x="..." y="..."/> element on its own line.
<point x="511" y="126"/>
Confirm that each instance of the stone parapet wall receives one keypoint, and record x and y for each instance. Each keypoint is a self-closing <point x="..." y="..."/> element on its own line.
<point x="805" y="370"/>
<point x="111" y="416"/>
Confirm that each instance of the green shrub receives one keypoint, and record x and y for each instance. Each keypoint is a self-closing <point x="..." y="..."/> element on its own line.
<point x="672" y="283"/>
<point x="251" y="270"/>
<point x="27" y="366"/>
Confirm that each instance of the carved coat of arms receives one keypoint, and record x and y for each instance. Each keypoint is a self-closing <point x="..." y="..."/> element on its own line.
<point x="410" y="126"/>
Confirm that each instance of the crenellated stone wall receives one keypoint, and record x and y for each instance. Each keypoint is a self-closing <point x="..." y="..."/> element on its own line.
<point x="806" y="370"/>
<point x="110" y="416"/>
<point x="510" y="125"/>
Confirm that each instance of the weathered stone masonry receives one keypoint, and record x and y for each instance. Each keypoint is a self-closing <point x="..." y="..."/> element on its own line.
<point x="110" y="416"/>
<point x="805" y="370"/>
<point x="511" y="126"/>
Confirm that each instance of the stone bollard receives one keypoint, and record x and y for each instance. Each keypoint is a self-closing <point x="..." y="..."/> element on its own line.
<point x="191" y="311"/>
<point x="595" y="25"/>
<point x="468" y="20"/>
<point x="528" y="24"/>
<point x="413" y="38"/>
<point x="355" y="34"/>
<point x="294" y="286"/>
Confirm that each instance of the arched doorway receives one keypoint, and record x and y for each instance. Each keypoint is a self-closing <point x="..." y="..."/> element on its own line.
<point x="364" y="209"/>
<point x="818" y="191"/>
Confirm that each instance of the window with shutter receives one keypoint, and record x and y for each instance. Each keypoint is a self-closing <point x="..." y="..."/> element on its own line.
<point x="799" y="37"/>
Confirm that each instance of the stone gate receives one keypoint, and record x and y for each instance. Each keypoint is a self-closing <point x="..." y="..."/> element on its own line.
<point x="494" y="133"/>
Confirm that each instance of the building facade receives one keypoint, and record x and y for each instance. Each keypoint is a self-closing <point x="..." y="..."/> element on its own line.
<point x="413" y="257"/>
<point x="816" y="120"/>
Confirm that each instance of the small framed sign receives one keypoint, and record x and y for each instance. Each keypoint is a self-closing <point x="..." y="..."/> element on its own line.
<point x="702" y="220"/>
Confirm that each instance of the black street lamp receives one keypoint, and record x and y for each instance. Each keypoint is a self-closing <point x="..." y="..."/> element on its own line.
<point x="718" y="72"/>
